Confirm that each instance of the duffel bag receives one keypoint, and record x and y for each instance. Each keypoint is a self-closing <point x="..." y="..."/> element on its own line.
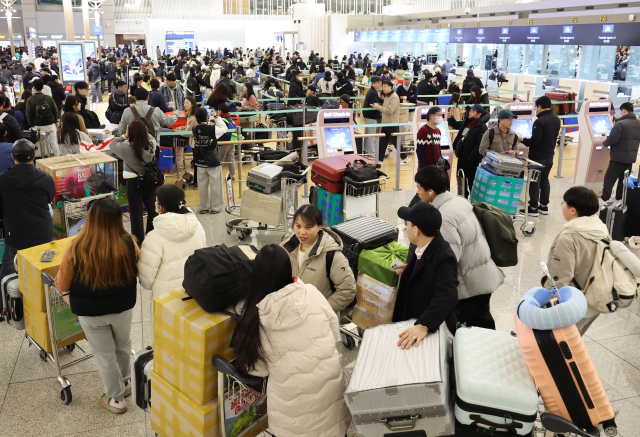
<point x="219" y="276"/>
<point x="310" y="117"/>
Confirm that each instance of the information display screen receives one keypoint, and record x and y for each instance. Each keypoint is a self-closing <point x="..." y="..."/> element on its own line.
<point x="444" y="137"/>
<point x="73" y="69"/>
<point x="89" y="49"/>
<point x="523" y="127"/>
<point x="601" y="124"/>
<point x="338" y="137"/>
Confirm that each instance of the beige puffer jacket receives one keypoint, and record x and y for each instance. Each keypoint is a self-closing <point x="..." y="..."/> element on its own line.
<point x="573" y="251"/>
<point x="306" y="385"/>
<point x="390" y="109"/>
<point x="314" y="269"/>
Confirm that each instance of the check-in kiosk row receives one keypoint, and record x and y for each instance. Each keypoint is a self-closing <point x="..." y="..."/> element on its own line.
<point x="594" y="121"/>
<point x="523" y="125"/>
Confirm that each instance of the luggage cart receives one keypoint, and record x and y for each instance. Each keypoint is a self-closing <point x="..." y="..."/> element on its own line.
<point x="56" y="308"/>
<point x="359" y="197"/>
<point x="531" y="174"/>
<point x="290" y="184"/>
<point x="247" y="394"/>
<point x="184" y="176"/>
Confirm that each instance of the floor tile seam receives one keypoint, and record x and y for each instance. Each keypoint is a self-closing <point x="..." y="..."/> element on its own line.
<point x="623" y="359"/>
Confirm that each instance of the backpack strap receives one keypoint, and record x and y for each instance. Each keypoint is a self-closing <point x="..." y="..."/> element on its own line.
<point x="136" y="114"/>
<point x="492" y="134"/>
<point x="149" y="113"/>
<point x="328" y="263"/>
<point x="515" y="141"/>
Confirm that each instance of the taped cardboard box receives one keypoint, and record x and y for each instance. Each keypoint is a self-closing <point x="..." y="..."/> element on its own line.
<point x="185" y="340"/>
<point x="175" y="414"/>
<point x="375" y="302"/>
<point x="30" y="269"/>
<point x="37" y="327"/>
<point x="261" y="207"/>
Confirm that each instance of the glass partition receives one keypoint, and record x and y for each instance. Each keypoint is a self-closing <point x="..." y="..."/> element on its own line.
<point x="515" y="58"/>
<point x="562" y="61"/>
<point x="532" y="62"/>
<point x="475" y="54"/>
<point x="597" y="62"/>
<point x="452" y="51"/>
<point x="633" y="67"/>
<point x="442" y="51"/>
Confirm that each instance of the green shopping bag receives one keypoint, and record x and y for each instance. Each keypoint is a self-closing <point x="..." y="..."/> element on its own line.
<point x="377" y="262"/>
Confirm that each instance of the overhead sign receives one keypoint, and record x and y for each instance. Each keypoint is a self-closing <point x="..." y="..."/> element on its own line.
<point x="172" y="34"/>
<point x="97" y="30"/>
<point x="416" y="35"/>
<point x="31" y="32"/>
<point x="58" y="36"/>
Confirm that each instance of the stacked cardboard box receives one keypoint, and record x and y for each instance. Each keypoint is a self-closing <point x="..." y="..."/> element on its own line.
<point x="374" y="302"/>
<point x="30" y="270"/>
<point x="184" y="387"/>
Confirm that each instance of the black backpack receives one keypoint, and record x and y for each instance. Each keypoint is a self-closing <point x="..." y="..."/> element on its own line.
<point x="492" y="134"/>
<point x="43" y="117"/>
<point x="91" y="120"/>
<point x="152" y="178"/>
<point x="219" y="276"/>
<point x="192" y="86"/>
<point x="146" y="119"/>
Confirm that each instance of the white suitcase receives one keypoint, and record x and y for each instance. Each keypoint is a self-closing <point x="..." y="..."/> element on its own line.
<point x="494" y="388"/>
<point x="397" y="391"/>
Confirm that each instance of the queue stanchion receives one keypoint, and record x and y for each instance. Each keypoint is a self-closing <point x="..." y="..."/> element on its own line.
<point x="305" y="160"/>
<point x="239" y="159"/>
<point x="562" y="136"/>
<point x="398" y="148"/>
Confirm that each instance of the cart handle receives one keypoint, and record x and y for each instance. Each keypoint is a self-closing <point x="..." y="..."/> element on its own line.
<point x="48" y="279"/>
<point x="224" y="366"/>
<point x="382" y="176"/>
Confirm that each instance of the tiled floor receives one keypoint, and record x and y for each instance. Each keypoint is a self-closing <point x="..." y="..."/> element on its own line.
<point x="29" y="405"/>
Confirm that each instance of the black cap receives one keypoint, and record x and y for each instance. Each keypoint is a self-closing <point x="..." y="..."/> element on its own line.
<point x="424" y="216"/>
<point x="23" y="151"/>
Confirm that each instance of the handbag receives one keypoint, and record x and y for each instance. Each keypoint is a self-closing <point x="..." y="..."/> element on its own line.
<point x="356" y="178"/>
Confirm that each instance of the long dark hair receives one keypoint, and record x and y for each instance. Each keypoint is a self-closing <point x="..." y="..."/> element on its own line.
<point x="25" y="96"/>
<point x="312" y="67"/>
<point x="220" y="95"/>
<point x="476" y="94"/>
<point x="69" y="103"/>
<point x="171" y="198"/>
<point x="455" y="98"/>
<point x="271" y="272"/>
<point x="194" y="106"/>
<point x="139" y="138"/>
<point x="250" y="91"/>
<point x="69" y="126"/>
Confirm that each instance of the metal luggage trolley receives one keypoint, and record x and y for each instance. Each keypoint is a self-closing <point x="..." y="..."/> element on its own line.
<point x="290" y="184"/>
<point x="242" y="400"/>
<point x="57" y="311"/>
<point x="531" y="174"/>
<point x="359" y="197"/>
<point x="183" y="175"/>
<point x="75" y="210"/>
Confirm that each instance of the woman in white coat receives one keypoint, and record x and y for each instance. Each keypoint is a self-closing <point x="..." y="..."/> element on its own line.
<point x="176" y="235"/>
<point x="288" y="332"/>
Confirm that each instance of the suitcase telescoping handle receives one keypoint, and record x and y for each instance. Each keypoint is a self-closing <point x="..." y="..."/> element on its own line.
<point x="545" y="269"/>
<point x="624" y="188"/>
<point x="391" y="423"/>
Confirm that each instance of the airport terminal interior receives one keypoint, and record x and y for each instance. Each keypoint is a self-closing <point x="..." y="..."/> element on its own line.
<point x="498" y="59"/>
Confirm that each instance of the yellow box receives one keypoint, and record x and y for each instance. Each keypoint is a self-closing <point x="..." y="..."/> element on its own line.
<point x="375" y="302"/>
<point x="185" y="340"/>
<point x="30" y="269"/>
<point x="175" y="414"/>
<point x="37" y="327"/>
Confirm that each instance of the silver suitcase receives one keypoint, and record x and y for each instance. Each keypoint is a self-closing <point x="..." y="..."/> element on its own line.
<point x="141" y="367"/>
<point x="405" y="392"/>
<point x="502" y="165"/>
<point x="265" y="178"/>
<point x="12" y="301"/>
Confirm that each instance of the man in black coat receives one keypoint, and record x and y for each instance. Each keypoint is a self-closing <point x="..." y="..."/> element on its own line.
<point x="467" y="142"/>
<point x="470" y="81"/>
<point x="428" y="289"/>
<point x="25" y="195"/>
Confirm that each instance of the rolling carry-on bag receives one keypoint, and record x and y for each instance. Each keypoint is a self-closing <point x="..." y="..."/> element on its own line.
<point x="632" y="226"/>
<point x="502" y="165"/>
<point x="562" y="108"/>
<point x="615" y="212"/>
<point x="12" y="301"/>
<point x="141" y="367"/>
<point x="493" y="382"/>
<point x="414" y="401"/>
<point x="265" y="178"/>
<point x="328" y="172"/>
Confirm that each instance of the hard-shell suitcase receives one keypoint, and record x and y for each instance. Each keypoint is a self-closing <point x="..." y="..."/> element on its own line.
<point x="414" y="401"/>
<point x="328" y="172"/>
<point x="265" y="178"/>
<point x="632" y="226"/>
<point x="565" y="376"/>
<point x="493" y="382"/>
<point x="364" y="233"/>
<point x="295" y="118"/>
<point x="614" y="214"/>
<point x="562" y="108"/>
<point x="141" y="366"/>
<point x="502" y="165"/>
<point x="12" y="301"/>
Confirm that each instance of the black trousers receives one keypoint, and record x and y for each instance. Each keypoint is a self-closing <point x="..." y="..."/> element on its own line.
<point x="137" y="199"/>
<point x="384" y="141"/>
<point x="475" y="311"/>
<point x="615" y="172"/>
<point x="539" y="191"/>
<point x="111" y="82"/>
<point x="469" y="168"/>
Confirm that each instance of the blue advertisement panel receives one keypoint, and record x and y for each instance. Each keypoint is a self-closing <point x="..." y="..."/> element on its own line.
<point x="71" y="62"/>
<point x="174" y="47"/>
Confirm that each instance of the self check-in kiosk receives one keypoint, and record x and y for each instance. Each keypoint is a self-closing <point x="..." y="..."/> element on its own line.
<point x="335" y="132"/>
<point x="523" y="125"/>
<point x="420" y="118"/>
<point x="594" y="121"/>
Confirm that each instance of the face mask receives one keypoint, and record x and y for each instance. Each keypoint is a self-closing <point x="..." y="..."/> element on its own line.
<point x="439" y="119"/>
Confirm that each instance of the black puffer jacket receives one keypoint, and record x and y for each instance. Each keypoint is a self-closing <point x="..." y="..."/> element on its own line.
<point x="624" y="139"/>
<point x="296" y="90"/>
<point x="544" y="136"/>
<point x="468" y="148"/>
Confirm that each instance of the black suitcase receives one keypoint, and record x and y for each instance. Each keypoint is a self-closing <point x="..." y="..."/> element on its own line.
<point x="295" y="118"/>
<point x="313" y="195"/>
<point x="141" y="366"/>
<point x="364" y="233"/>
<point x="615" y="213"/>
<point x="632" y="226"/>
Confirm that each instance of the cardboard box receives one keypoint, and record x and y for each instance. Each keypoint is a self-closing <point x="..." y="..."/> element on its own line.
<point x="30" y="269"/>
<point x="175" y="414"/>
<point x="185" y="340"/>
<point x="261" y="207"/>
<point x="78" y="176"/>
<point x="37" y="327"/>
<point x="375" y="302"/>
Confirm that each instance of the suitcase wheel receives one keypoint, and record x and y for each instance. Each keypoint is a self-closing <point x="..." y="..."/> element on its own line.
<point x="181" y="183"/>
<point x="349" y="343"/>
<point x="243" y="233"/>
<point x="65" y="395"/>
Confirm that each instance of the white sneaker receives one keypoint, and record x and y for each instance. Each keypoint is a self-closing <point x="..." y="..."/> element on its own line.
<point x="602" y="203"/>
<point x="405" y="161"/>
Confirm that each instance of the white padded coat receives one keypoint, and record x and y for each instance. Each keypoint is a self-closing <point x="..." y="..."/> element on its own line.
<point x="306" y="384"/>
<point x="477" y="272"/>
<point x="165" y="250"/>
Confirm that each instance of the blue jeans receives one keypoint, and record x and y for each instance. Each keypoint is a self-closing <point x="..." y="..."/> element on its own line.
<point x="370" y="142"/>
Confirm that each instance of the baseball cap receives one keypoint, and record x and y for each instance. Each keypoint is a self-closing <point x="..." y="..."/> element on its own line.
<point x="23" y="150"/>
<point x="424" y="216"/>
<point x="477" y="107"/>
<point x="505" y="113"/>
<point x="407" y="76"/>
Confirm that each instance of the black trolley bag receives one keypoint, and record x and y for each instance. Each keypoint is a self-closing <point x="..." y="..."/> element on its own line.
<point x="141" y="367"/>
<point x="615" y="214"/>
<point x="632" y="226"/>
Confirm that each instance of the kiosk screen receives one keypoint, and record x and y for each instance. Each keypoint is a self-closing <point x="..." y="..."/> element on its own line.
<point x="523" y="127"/>
<point x="601" y="124"/>
<point x="444" y="138"/>
<point x="338" y="137"/>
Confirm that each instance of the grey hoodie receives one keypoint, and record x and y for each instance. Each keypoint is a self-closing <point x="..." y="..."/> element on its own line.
<point x="133" y="167"/>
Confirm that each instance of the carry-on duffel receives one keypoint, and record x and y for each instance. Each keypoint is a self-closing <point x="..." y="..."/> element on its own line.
<point x="493" y="382"/>
<point x="393" y="391"/>
<point x="141" y="367"/>
<point x="328" y="172"/>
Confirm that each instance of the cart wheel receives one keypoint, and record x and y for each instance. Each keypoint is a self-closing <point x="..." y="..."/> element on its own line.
<point x="528" y="229"/>
<point x="349" y="342"/>
<point x="240" y="234"/>
<point x="65" y="395"/>
<point x="181" y="183"/>
<point x="247" y="232"/>
<point x="71" y="347"/>
<point x="228" y="231"/>
<point x="188" y="177"/>
<point x="43" y="355"/>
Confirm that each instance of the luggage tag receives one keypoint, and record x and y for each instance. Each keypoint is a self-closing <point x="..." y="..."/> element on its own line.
<point x="554" y="288"/>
